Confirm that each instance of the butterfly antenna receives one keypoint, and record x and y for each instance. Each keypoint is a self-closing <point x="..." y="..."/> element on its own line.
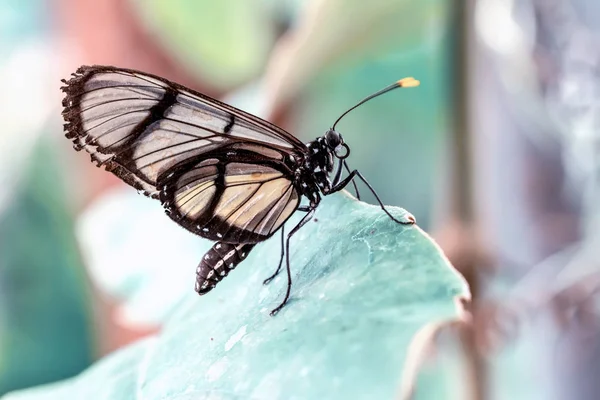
<point x="404" y="82"/>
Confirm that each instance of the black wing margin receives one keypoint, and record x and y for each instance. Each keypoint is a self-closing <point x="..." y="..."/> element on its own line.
<point x="139" y="125"/>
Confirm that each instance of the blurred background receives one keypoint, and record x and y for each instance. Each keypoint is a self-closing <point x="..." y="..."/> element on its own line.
<point x="496" y="154"/>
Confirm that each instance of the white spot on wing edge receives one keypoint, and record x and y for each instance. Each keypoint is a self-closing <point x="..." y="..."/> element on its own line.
<point x="236" y="337"/>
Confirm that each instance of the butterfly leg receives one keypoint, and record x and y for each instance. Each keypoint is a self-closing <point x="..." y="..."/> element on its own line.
<point x="302" y="222"/>
<point x="278" y="270"/>
<point x="353" y="183"/>
<point x="338" y="177"/>
<point x="350" y="178"/>
<point x="269" y="279"/>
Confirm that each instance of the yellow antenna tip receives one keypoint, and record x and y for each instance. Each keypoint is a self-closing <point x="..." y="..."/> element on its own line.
<point x="408" y="82"/>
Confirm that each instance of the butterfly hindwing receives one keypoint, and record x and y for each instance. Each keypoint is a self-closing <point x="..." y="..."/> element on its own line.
<point x="239" y="201"/>
<point x="140" y="126"/>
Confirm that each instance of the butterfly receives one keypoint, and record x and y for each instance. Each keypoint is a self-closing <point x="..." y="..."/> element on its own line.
<point x="219" y="172"/>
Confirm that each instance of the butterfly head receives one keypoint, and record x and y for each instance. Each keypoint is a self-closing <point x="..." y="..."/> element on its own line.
<point x="333" y="139"/>
<point x="335" y="143"/>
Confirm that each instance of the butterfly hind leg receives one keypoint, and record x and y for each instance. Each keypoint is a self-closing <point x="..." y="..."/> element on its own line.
<point x="300" y="224"/>
<point x="278" y="270"/>
<point x="269" y="279"/>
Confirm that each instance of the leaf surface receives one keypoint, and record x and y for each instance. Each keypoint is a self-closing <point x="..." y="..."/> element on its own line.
<point x="363" y="285"/>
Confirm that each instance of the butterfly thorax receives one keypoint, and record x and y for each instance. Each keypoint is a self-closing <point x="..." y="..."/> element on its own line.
<point x="311" y="175"/>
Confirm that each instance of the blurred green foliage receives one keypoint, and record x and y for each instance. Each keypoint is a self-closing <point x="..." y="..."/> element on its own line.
<point x="223" y="42"/>
<point x="45" y="325"/>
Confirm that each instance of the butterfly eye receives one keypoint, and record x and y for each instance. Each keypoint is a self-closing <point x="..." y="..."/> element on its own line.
<point x="333" y="139"/>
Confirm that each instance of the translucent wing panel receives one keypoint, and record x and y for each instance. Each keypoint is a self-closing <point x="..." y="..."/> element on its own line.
<point x="232" y="202"/>
<point x="196" y="191"/>
<point x="140" y="126"/>
<point x="167" y="143"/>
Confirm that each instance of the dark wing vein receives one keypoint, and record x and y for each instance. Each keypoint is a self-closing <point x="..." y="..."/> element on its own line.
<point x="112" y="119"/>
<point x="267" y="214"/>
<point x="240" y="205"/>
<point x="281" y="209"/>
<point x="115" y="101"/>
<point x="192" y="197"/>
<point x="134" y="89"/>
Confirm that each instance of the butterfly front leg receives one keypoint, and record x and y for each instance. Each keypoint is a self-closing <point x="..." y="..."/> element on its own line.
<point x="218" y="262"/>
<point x="350" y="178"/>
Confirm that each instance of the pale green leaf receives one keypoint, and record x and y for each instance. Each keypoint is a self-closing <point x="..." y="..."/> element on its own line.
<point x="363" y="285"/>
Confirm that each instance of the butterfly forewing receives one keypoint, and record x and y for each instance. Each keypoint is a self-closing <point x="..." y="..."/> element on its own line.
<point x="141" y="126"/>
<point x="230" y="201"/>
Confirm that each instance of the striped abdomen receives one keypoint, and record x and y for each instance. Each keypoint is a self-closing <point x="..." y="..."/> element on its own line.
<point x="217" y="262"/>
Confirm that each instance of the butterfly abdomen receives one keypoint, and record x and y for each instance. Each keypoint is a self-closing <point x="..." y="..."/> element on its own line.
<point x="217" y="262"/>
